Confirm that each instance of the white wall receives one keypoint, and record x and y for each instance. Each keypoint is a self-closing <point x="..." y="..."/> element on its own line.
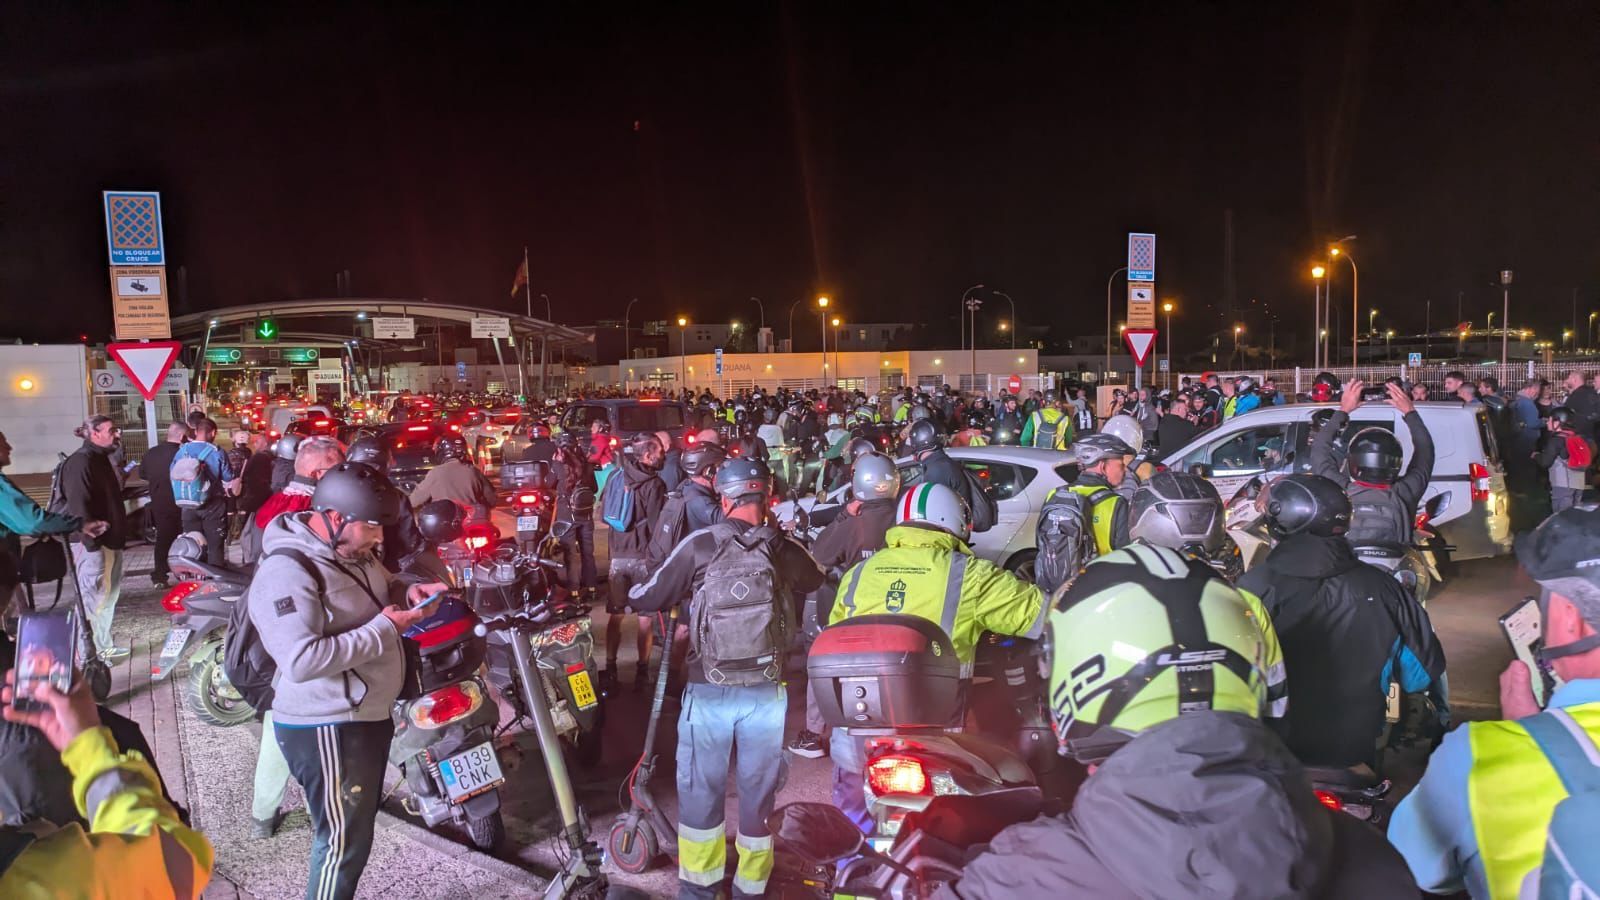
<point x="39" y="423"/>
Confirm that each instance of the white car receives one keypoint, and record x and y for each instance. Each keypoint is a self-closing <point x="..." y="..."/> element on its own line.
<point x="486" y="430"/>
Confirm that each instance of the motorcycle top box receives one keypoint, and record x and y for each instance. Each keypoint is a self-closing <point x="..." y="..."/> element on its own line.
<point x="500" y="587"/>
<point x="885" y="671"/>
<point x="441" y="649"/>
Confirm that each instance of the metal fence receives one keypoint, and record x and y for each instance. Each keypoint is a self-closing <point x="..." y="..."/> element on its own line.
<point x="1510" y="376"/>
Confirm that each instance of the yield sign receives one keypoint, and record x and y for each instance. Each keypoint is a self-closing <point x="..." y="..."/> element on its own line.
<point x="1140" y="340"/>
<point x="146" y="363"/>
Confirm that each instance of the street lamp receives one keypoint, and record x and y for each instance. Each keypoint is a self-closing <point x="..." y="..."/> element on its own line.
<point x="822" y="316"/>
<point x="972" y="307"/>
<point x="1167" y="308"/>
<point x="1505" y="314"/>
<point x="1488" y="340"/>
<point x="1388" y="336"/>
<point x="627" y="348"/>
<point x="1238" y="360"/>
<point x="1371" y="315"/>
<point x="961" y="314"/>
<point x="1588" y="333"/>
<point x="763" y="326"/>
<point x="683" y="376"/>
<point x="1317" y="273"/>
<point x="1109" y="282"/>
<point x="1013" y="317"/>
<point x="836" y="321"/>
<point x="1355" y="292"/>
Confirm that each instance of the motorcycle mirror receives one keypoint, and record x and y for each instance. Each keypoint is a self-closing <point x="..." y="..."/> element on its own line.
<point x="802" y="519"/>
<point x="817" y="832"/>
<point x="1438" y="503"/>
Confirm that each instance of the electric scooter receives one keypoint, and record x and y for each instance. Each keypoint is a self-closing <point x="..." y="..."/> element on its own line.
<point x="644" y="832"/>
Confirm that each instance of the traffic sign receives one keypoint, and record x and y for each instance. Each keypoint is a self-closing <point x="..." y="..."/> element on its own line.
<point x="115" y="381"/>
<point x="133" y="228"/>
<point x="1162" y="364"/>
<point x="461" y="371"/>
<point x="394" y="328"/>
<point x="491" y="327"/>
<point x="266" y="329"/>
<point x="1140" y="340"/>
<point x="1141" y="257"/>
<point x="1141" y="304"/>
<point x="719" y="361"/>
<point x="146" y="363"/>
<point x="139" y="303"/>
<point x="1414" y="359"/>
<point x="1014" y="384"/>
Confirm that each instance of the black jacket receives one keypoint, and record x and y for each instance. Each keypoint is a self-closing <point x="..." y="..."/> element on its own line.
<point x="701" y="504"/>
<point x="849" y="539"/>
<point x="281" y="474"/>
<point x="540" y="450"/>
<point x="257" y="481"/>
<point x="1008" y="423"/>
<point x="574" y="476"/>
<point x="939" y="468"/>
<point x="1585" y="403"/>
<point x="153" y="468"/>
<point x="1209" y="804"/>
<point x="649" y="494"/>
<point x="92" y="491"/>
<point x="1173" y="433"/>
<point x="1378" y="513"/>
<point x="671" y="473"/>
<point x="1338" y="620"/>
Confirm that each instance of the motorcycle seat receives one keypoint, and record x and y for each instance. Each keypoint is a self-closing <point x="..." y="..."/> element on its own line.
<point x="1357" y="776"/>
<point x="1011" y="768"/>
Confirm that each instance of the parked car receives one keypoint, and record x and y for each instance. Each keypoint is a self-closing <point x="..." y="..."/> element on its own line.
<point x="1475" y="519"/>
<point x="410" y="446"/>
<point x="486" y="429"/>
<point x="628" y="417"/>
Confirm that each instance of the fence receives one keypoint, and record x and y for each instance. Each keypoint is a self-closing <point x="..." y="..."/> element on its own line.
<point x="1510" y="376"/>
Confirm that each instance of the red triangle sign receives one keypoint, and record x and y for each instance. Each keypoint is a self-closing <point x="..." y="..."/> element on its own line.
<point x="146" y="363"/>
<point x="1140" y="340"/>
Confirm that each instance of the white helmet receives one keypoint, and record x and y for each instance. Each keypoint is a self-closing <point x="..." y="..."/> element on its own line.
<point x="1125" y="428"/>
<point x="935" y="505"/>
<point x="835" y="420"/>
<point x="874" y="477"/>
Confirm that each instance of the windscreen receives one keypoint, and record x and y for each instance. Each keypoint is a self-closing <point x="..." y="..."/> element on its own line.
<point x="649" y="418"/>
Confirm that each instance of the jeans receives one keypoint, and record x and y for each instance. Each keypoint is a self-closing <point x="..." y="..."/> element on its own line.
<point x="340" y="767"/>
<point x="100" y="583"/>
<point x="716" y="720"/>
<point x="210" y="520"/>
<point x="580" y="534"/>
<point x="272" y="774"/>
<point x="1564" y="498"/>
<point x="169" y="524"/>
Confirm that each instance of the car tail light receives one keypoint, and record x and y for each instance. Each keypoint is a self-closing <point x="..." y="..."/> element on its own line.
<point x="1332" y="802"/>
<point x="173" y="601"/>
<point x="273" y="434"/>
<point x="896" y="775"/>
<point x="449" y="704"/>
<point x="417" y="427"/>
<point x="690" y="439"/>
<point x="454" y="427"/>
<point x="528" y="499"/>
<point x="1480" y="481"/>
<point x="614" y="441"/>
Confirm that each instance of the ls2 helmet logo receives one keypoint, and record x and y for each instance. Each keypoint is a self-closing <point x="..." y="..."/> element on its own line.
<point x="895" y="599"/>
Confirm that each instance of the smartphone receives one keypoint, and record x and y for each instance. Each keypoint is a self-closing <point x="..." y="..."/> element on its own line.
<point x="1523" y="627"/>
<point x="46" y="653"/>
<point x="431" y="599"/>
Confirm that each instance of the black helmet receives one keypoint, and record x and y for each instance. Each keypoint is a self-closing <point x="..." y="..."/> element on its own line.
<point x="286" y="447"/>
<point x="567" y="440"/>
<point x="1375" y="456"/>
<point x="451" y="446"/>
<point x="859" y="447"/>
<point x="358" y="491"/>
<point x="701" y="458"/>
<point x="974" y="420"/>
<point x="922" y="435"/>
<point x="369" y="450"/>
<point x="743" y="477"/>
<point x="1308" y="504"/>
<point x="1563" y="416"/>
<point x="439" y="521"/>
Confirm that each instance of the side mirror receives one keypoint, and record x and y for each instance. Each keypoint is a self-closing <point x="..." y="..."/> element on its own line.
<point x="1201" y="469"/>
<point x="802" y="519"/>
<point x="816" y="832"/>
<point x="1437" y="504"/>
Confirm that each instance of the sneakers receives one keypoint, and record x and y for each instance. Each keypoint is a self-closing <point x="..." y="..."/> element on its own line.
<point x="159" y="584"/>
<point x="261" y="829"/>
<point x="608" y="679"/>
<point x="114" y="653"/>
<point x="808" y="744"/>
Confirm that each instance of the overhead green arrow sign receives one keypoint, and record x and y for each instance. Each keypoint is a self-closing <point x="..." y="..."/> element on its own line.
<point x="266" y="329"/>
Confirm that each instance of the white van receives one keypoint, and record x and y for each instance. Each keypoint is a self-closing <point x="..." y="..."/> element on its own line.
<point x="1466" y="466"/>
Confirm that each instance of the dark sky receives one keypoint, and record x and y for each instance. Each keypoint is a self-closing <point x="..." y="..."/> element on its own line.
<point x="889" y="154"/>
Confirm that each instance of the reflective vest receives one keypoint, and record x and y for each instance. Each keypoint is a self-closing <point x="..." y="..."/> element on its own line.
<point x="1512" y="791"/>
<point x="1102" y="512"/>
<point x="1228" y="407"/>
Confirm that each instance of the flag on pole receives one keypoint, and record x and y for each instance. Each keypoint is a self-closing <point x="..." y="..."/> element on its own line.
<point x="522" y="276"/>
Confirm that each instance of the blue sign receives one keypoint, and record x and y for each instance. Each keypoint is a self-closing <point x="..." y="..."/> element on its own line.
<point x="1414" y="360"/>
<point x="719" y="361"/>
<point x="1141" y="257"/>
<point x="461" y="371"/>
<point x="133" y="228"/>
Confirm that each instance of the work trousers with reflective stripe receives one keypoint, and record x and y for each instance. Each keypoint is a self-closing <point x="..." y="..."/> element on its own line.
<point x="714" y="722"/>
<point x="340" y="767"/>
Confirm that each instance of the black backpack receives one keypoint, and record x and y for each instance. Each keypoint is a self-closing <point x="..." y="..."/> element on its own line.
<point x="245" y="660"/>
<point x="985" y="511"/>
<point x="672" y="525"/>
<point x="738" y="627"/>
<point x="1065" y="537"/>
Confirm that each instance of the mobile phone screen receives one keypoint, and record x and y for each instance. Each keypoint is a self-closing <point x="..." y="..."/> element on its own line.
<point x="46" y="642"/>
<point x="430" y="600"/>
<point x="1522" y="627"/>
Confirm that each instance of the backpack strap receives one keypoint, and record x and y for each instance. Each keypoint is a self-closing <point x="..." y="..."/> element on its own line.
<point x="304" y="562"/>
<point x="1572" y="753"/>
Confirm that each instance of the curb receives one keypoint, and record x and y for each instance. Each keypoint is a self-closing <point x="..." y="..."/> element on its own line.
<point x="449" y="848"/>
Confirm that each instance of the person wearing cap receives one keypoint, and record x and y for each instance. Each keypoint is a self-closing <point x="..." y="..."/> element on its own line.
<point x="1478" y="819"/>
<point x="331" y="617"/>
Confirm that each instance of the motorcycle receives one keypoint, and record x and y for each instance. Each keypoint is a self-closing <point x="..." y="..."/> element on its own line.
<point x="1357" y="791"/>
<point x="445" y="725"/>
<point x="201" y="604"/>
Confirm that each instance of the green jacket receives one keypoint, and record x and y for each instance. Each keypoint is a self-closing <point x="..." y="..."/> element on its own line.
<point x="19" y="515"/>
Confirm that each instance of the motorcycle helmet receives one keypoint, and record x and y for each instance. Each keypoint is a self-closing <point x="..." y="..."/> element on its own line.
<point x="358" y="491"/>
<point x="835" y="420"/>
<point x="1142" y="636"/>
<point x="919" y="412"/>
<point x="1307" y="504"/>
<point x="566" y="440"/>
<point x="1126" y="428"/>
<point x="1324" y="387"/>
<point x="451" y="446"/>
<point x="742" y="478"/>
<point x="287" y="446"/>
<point x="1244" y="384"/>
<point x="935" y="506"/>
<point x="369" y="450"/>
<point x="1098" y="447"/>
<point x="539" y="431"/>
<point x="1178" y="511"/>
<point x="1375" y="456"/>
<point x="923" y="435"/>
<point x="702" y="458"/>
<point x="440" y="521"/>
<point x="1563" y="416"/>
<point x="874" y="477"/>
<point x="859" y="447"/>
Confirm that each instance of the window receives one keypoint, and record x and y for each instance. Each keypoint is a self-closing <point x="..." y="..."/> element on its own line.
<point x="1002" y="480"/>
<point x="1249" y="452"/>
<point x="884" y="334"/>
<point x="862" y="334"/>
<point x="649" y="418"/>
<point x="579" y="418"/>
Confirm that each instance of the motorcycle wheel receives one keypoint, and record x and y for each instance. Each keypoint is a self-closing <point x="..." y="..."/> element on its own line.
<point x="210" y="696"/>
<point x="1021" y="565"/>
<point x="488" y="832"/>
<point x="98" y="675"/>
<point x="636" y="854"/>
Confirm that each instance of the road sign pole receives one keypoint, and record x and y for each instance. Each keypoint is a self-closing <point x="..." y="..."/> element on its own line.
<point x="150" y="425"/>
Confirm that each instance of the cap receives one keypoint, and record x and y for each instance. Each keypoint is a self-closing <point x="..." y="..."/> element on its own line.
<point x="1566" y="545"/>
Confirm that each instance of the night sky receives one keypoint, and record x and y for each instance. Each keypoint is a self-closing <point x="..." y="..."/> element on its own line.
<point x="693" y="155"/>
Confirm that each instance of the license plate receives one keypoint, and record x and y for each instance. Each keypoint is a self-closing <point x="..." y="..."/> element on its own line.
<point x="471" y="773"/>
<point x="582" y="689"/>
<point x="176" y="638"/>
<point x="527" y="523"/>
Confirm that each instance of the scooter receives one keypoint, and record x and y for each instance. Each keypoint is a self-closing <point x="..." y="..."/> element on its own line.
<point x="644" y="833"/>
<point x="445" y="725"/>
<point x="201" y="603"/>
<point x="580" y="875"/>
<point x="1357" y="791"/>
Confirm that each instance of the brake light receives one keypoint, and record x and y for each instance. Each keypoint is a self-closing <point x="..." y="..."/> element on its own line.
<point x="1480" y="481"/>
<point x="1421" y="522"/>
<point x="896" y="775"/>
<point x="649" y="399"/>
<point x="173" y="601"/>
<point x="1330" y="801"/>
<point x="446" y="705"/>
<point x="272" y="434"/>
<point x="400" y="445"/>
<point x="613" y="441"/>
<point x="528" y="499"/>
<point x="417" y="427"/>
<point x="454" y="427"/>
<point x="689" y="439"/>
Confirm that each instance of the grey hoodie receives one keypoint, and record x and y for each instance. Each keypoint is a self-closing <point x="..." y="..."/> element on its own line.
<point x="1205" y="805"/>
<point x="338" y="659"/>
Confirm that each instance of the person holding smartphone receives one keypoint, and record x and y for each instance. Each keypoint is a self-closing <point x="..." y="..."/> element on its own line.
<point x="1478" y="819"/>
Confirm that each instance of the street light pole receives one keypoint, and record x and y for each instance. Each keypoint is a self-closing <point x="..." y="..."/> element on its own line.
<point x="972" y="306"/>
<point x="1013" y="316"/>
<point x="1355" y="293"/>
<point x="1488" y="337"/>
<point x="836" y="321"/>
<point x="683" y="374"/>
<point x="1167" y="308"/>
<point x="627" y="347"/>
<point x="822" y="319"/>
<point x="961" y="314"/>
<point x="1109" y="282"/>
<point x="763" y="308"/>
<point x="544" y="344"/>
<point x="1505" y="312"/>
<point x="1317" y="329"/>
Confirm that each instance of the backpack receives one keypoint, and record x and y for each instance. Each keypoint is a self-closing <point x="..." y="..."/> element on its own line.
<point x="617" y="504"/>
<point x="1571" y="865"/>
<point x="1065" y="537"/>
<point x="671" y="525"/>
<point x="245" y="661"/>
<point x="737" y="628"/>
<point x="1580" y="452"/>
<point x="1047" y="434"/>
<point x="191" y="480"/>
<point x="985" y="512"/>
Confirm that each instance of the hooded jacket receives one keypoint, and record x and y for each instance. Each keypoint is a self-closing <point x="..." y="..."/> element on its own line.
<point x="701" y="503"/>
<point x="92" y="491"/>
<point x="339" y="659"/>
<point x="461" y="482"/>
<point x="649" y="495"/>
<point x="1343" y="625"/>
<point x="1205" y="805"/>
<point x="1378" y="513"/>
<point x="849" y="539"/>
